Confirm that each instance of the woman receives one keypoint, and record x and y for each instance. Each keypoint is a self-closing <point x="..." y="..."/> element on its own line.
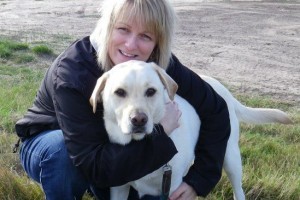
<point x="65" y="146"/>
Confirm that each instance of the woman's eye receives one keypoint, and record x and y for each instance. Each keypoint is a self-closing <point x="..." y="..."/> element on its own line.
<point x="150" y="92"/>
<point x="120" y="92"/>
<point x="123" y="29"/>
<point x="146" y="37"/>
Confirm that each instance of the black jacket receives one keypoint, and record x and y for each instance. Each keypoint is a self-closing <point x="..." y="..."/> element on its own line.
<point x="62" y="102"/>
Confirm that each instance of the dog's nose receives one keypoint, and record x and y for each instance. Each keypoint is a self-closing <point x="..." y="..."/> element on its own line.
<point x="138" y="119"/>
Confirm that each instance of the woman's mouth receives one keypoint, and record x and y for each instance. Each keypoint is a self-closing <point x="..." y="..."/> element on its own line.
<point x="127" y="54"/>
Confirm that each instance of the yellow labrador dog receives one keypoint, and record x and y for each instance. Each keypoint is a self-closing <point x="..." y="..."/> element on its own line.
<point x="136" y="89"/>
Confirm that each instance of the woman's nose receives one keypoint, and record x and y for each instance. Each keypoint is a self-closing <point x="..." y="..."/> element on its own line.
<point x="131" y="42"/>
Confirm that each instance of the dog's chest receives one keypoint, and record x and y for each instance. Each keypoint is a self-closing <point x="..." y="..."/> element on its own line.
<point x="149" y="184"/>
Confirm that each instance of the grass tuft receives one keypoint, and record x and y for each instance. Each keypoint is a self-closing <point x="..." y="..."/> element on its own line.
<point x="14" y="186"/>
<point x="42" y="50"/>
<point x="12" y="45"/>
<point x="7" y="48"/>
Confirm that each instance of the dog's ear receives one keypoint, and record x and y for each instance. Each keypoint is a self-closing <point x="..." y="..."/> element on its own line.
<point x="96" y="97"/>
<point x="168" y="82"/>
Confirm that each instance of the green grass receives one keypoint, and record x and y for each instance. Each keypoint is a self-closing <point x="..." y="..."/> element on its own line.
<point x="270" y="156"/>
<point x="7" y="48"/>
<point x="18" y="88"/>
<point x="21" y="53"/>
<point x="14" y="186"/>
<point x="270" y="153"/>
<point x="42" y="49"/>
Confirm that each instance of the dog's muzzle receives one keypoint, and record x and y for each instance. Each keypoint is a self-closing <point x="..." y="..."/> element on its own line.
<point x="138" y="121"/>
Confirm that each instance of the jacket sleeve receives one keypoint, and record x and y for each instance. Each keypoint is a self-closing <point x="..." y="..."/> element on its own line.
<point x="210" y="150"/>
<point x="103" y="163"/>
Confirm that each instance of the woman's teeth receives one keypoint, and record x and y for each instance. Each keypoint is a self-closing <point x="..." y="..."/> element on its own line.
<point x="128" y="55"/>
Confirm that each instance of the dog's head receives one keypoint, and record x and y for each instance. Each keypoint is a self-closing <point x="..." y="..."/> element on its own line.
<point x="134" y="95"/>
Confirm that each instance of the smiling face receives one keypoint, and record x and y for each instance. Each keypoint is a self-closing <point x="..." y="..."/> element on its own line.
<point x="123" y="29"/>
<point x="130" y="40"/>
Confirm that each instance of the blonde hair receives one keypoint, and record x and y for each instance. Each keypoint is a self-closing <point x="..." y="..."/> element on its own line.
<point x="156" y="15"/>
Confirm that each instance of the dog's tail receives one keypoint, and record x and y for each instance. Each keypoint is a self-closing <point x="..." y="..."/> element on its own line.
<point x="247" y="114"/>
<point x="260" y="115"/>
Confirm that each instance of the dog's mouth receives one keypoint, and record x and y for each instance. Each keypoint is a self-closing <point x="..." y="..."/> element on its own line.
<point x="138" y="133"/>
<point x="138" y="130"/>
<point x="135" y="130"/>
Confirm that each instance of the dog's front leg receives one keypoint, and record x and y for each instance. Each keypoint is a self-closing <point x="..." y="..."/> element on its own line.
<point x="120" y="192"/>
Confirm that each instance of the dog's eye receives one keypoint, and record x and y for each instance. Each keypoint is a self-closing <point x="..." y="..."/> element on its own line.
<point x="150" y="92"/>
<point x="120" y="92"/>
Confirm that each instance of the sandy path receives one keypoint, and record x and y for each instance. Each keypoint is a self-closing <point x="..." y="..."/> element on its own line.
<point x="253" y="47"/>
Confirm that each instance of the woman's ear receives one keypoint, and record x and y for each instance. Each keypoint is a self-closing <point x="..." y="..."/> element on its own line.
<point x="167" y="81"/>
<point x="96" y="95"/>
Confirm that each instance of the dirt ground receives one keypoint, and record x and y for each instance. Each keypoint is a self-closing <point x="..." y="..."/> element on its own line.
<point x="253" y="47"/>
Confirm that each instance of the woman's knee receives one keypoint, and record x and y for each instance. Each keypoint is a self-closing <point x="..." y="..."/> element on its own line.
<point x="55" y="146"/>
<point x="46" y="149"/>
<point x="46" y="160"/>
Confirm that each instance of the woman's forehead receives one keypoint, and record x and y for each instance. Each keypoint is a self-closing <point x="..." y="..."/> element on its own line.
<point x="137" y="22"/>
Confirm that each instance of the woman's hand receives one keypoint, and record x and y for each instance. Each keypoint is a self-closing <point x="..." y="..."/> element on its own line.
<point x="183" y="192"/>
<point x="170" y="121"/>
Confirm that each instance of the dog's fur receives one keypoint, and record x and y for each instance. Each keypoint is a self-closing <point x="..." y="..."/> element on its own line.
<point x="134" y="95"/>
